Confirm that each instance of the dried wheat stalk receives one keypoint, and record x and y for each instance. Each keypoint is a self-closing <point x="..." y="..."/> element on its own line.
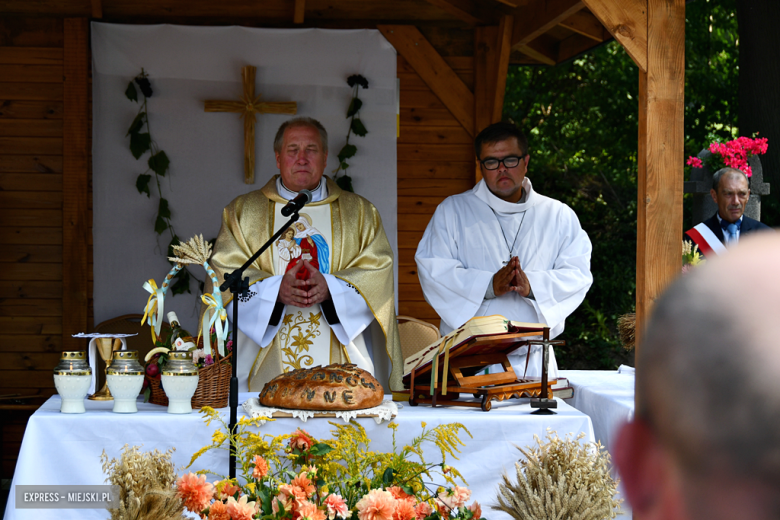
<point x="560" y="479"/>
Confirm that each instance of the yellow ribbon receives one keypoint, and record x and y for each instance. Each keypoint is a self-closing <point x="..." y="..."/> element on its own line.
<point x="208" y="321"/>
<point x="154" y="308"/>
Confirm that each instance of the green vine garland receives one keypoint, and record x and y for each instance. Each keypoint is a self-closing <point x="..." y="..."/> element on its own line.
<point x="158" y="163"/>
<point x="355" y="126"/>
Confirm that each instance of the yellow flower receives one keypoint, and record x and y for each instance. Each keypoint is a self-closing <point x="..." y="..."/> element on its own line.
<point x="424" y="424"/>
<point x="287" y="319"/>
<point x="218" y="437"/>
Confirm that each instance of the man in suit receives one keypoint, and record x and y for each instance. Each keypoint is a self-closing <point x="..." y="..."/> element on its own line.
<point x="704" y="442"/>
<point x="730" y="191"/>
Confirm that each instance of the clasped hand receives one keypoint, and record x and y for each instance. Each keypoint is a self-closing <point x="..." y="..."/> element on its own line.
<point x="303" y="293"/>
<point x="511" y="278"/>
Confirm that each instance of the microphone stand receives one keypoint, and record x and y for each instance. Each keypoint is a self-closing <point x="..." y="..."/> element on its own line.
<point x="240" y="287"/>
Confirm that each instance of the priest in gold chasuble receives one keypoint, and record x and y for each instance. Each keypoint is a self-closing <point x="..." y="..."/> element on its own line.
<point x="323" y="293"/>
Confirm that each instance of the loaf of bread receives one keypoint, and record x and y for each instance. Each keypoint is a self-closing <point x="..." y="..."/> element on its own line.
<point x="334" y="387"/>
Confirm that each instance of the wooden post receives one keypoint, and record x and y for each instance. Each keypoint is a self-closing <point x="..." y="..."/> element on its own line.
<point x="491" y="61"/>
<point x="661" y="160"/>
<point x="75" y="177"/>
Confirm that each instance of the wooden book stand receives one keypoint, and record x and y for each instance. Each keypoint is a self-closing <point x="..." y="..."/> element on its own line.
<point x="471" y="357"/>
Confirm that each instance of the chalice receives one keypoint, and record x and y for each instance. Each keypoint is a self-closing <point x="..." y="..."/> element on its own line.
<point x="106" y="348"/>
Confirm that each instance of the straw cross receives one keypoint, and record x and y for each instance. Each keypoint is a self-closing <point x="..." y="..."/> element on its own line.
<point x="249" y="106"/>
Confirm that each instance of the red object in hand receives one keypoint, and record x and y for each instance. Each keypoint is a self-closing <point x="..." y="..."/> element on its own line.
<point x="302" y="274"/>
<point x="152" y="369"/>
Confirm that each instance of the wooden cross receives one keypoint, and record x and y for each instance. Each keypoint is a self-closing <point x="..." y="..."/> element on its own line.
<point x="249" y="106"/>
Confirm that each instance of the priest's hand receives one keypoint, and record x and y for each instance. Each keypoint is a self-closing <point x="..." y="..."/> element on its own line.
<point x="504" y="278"/>
<point x="318" y="290"/>
<point x="520" y="283"/>
<point x="511" y="278"/>
<point x="294" y="291"/>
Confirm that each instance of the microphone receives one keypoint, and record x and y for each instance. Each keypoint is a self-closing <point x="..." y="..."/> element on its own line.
<point x="303" y="198"/>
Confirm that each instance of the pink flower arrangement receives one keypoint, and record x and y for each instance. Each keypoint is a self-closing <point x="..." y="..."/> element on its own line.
<point x="241" y="509"/>
<point x="376" y="505"/>
<point x="404" y="509"/>
<point x="218" y="511"/>
<point x="423" y="510"/>
<point x="301" y="440"/>
<point x="735" y="153"/>
<point x="335" y="506"/>
<point x="297" y="477"/>
<point x="194" y="491"/>
<point x="261" y="467"/>
<point x="454" y="497"/>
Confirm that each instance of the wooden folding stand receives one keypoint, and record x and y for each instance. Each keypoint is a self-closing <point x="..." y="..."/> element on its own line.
<point x="470" y="358"/>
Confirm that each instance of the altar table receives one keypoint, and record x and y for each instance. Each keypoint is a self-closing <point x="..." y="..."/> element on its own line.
<point x="607" y="397"/>
<point x="65" y="448"/>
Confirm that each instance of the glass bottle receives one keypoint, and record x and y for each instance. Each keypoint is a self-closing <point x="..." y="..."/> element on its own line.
<point x="179" y="333"/>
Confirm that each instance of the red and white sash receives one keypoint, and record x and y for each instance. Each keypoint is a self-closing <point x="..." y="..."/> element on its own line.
<point x="708" y="242"/>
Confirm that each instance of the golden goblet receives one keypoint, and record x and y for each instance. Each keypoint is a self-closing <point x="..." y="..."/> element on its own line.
<point x="106" y="348"/>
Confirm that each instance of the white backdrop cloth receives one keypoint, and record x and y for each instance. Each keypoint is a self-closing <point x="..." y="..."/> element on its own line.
<point x="186" y="66"/>
<point x="62" y="448"/>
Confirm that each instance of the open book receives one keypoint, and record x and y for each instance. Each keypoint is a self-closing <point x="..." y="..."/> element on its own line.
<point x="461" y="341"/>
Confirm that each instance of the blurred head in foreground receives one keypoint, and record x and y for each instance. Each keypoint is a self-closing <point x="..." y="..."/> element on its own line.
<point x="705" y="443"/>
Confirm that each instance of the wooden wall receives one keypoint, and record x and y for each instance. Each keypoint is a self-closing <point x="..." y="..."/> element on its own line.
<point x="435" y="160"/>
<point x="31" y="215"/>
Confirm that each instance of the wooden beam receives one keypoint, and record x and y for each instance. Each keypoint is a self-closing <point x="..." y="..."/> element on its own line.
<point x="627" y="22"/>
<point x="461" y="9"/>
<point x="540" y="17"/>
<point x="661" y="160"/>
<point x="503" y="49"/>
<point x="573" y="46"/>
<point x="97" y="9"/>
<point x="584" y="23"/>
<point x="300" y="8"/>
<point x="434" y="71"/>
<point x="75" y="178"/>
<point x="543" y="49"/>
<point x="491" y="60"/>
<point x="485" y="39"/>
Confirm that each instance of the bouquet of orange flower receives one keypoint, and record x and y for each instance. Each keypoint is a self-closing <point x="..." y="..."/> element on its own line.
<point x="297" y="477"/>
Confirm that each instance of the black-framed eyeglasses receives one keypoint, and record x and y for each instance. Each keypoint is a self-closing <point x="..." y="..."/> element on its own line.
<point x="510" y="161"/>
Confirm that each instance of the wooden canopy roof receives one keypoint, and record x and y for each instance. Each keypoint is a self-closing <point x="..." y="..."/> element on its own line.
<point x="545" y="32"/>
<point x="452" y="64"/>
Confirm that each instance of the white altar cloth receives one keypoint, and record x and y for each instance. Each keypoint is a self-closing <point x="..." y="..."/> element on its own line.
<point x="607" y="397"/>
<point x="65" y="449"/>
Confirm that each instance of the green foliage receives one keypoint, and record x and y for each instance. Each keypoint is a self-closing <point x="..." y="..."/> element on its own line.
<point x="131" y="93"/>
<point x="581" y="119"/>
<point x="142" y="184"/>
<point x="356" y="127"/>
<point x="140" y="143"/>
<point x="711" y="73"/>
<point x="158" y="164"/>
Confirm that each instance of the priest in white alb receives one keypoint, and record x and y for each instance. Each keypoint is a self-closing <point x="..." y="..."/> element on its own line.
<point x="502" y="248"/>
<point x="323" y="293"/>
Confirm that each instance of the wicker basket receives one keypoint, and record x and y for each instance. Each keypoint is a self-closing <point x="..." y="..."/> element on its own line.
<point x="213" y="386"/>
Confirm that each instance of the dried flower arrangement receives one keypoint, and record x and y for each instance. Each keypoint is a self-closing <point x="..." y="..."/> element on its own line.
<point x="145" y="482"/>
<point x="560" y="479"/>
<point x="627" y="329"/>
<point x="296" y="476"/>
